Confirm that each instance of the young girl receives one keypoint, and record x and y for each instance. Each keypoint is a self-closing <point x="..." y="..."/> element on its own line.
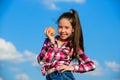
<point x="57" y="53"/>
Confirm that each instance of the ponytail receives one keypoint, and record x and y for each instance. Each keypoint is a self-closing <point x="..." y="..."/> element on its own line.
<point x="77" y="35"/>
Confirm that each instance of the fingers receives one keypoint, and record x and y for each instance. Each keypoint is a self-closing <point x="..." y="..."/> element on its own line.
<point x="50" y="31"/>
<point x="62" y="67"/>
<point x="46" y="32"/>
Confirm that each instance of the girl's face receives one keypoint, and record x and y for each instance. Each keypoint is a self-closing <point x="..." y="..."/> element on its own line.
<point x="65" y="28"/>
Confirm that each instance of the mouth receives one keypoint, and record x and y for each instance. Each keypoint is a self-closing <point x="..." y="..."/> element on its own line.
<point x="62" y="35"/>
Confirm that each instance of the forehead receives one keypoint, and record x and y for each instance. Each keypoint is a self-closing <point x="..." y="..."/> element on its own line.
<point x="65" y="22"/>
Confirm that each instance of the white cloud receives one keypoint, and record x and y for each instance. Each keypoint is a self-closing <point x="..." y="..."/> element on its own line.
<point x="1" y="78"/>
<point x="51" y="4"/>
<point x="8" y="52"/>
<point x="16" y="69"/>
<point x="113" y="65"/>
<point x="98" y="71"/>
<point x="75" y="1"/>
<point x="31" y="57"/>
<point x="22" y="77"/>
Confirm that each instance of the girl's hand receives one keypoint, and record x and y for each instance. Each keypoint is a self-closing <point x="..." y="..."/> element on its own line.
<point x="64" y="67"/>
<point x="50" y="32"/>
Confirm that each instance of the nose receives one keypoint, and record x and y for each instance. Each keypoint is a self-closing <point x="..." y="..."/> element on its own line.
<point x="63" y="30"/>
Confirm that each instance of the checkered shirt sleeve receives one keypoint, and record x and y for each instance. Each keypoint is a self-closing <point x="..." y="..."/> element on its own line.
<point x="85" y="63"/>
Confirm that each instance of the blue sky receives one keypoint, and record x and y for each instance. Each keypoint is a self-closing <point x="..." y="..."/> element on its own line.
<point x="22" y="24"/>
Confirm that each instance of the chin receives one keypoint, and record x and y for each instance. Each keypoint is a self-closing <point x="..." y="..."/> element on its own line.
<point x="63" y="38"/>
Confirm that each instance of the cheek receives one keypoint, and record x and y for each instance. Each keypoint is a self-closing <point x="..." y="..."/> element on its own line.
<point x="59" y="30"/>
<point x="69" y="31"/>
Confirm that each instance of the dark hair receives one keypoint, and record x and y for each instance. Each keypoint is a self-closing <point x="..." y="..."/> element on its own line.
<point x="77" y="38"/>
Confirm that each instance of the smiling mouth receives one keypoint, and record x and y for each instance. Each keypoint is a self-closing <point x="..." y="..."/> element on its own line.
<point x="63" y="35"/>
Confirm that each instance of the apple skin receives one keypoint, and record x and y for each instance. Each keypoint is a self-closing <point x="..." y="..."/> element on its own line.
<point x="51" y="31"/>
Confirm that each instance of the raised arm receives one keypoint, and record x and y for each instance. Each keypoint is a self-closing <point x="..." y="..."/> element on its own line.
<point x="48" y="45"/>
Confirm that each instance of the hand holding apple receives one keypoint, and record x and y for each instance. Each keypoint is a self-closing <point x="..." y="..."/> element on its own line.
<point x="50" y="32"/>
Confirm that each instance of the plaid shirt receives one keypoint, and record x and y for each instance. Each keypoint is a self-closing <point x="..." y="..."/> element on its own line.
<point x="51" y="56"/>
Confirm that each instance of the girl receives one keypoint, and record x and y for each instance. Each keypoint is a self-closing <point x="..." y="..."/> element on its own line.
<point x="57" y="53"/>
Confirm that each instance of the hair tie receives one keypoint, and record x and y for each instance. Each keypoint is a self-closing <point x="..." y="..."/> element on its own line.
<point x="71" y="11"/>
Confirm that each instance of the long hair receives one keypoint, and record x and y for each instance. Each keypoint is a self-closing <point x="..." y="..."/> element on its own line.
<point x="77" y="36"/>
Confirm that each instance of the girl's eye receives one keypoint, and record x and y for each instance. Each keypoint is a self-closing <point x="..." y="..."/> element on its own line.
<point x="59" y="26"/>
<point x="67" y="27"/>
